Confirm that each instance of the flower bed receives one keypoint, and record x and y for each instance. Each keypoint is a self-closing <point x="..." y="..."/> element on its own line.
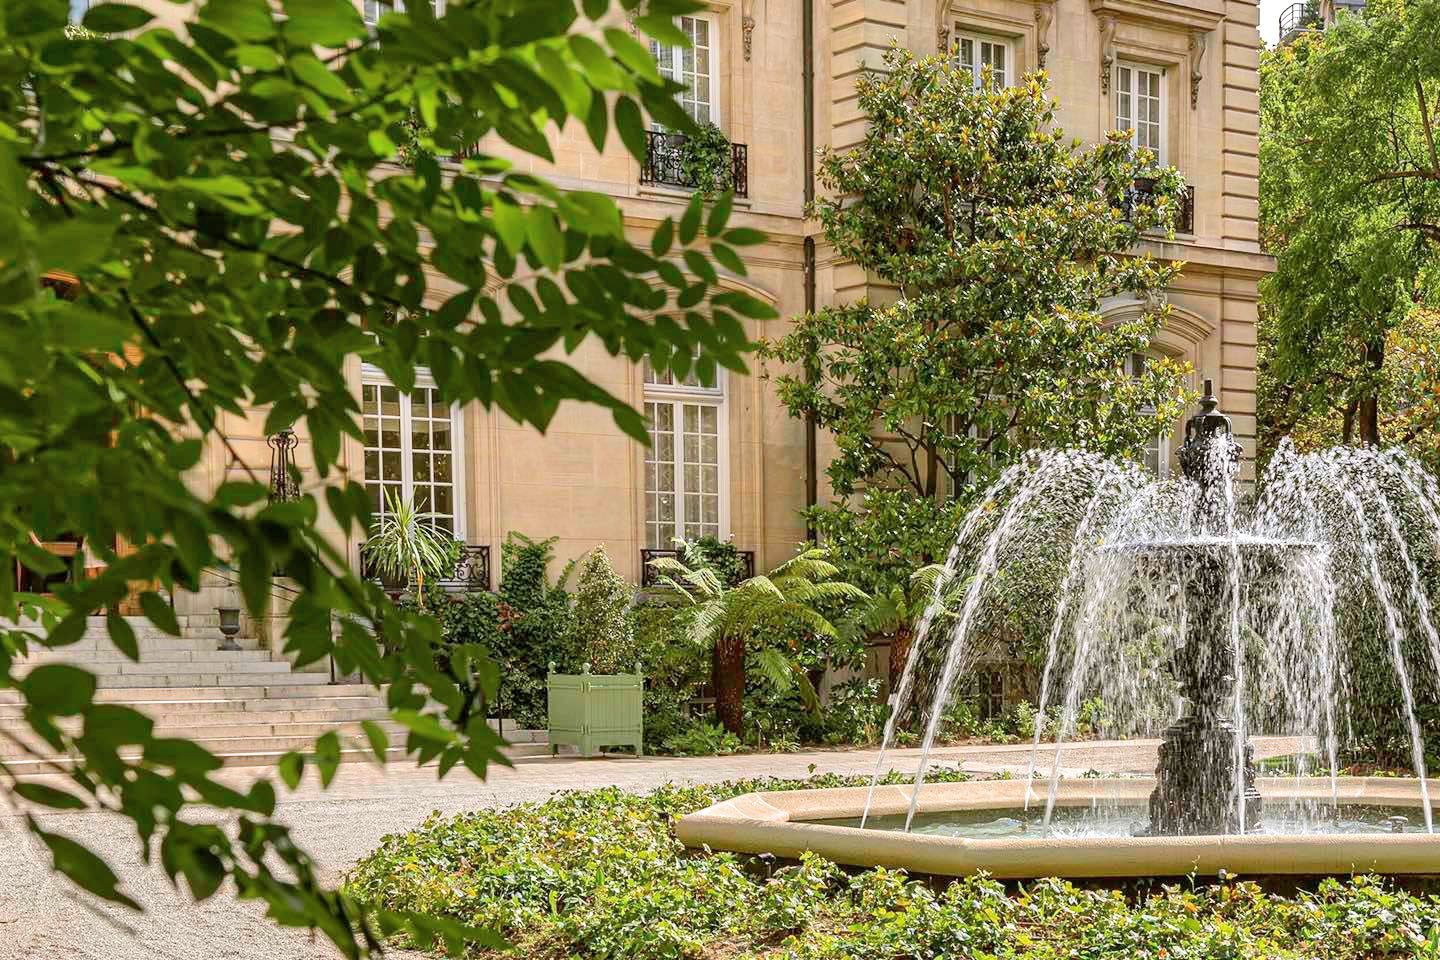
<point x="598" y="874"/>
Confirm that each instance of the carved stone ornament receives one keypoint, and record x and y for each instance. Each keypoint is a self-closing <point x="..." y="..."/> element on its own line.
<point x="1044" y="17"/>
<point x="747" y="25"/>
<point x="1107" y="53"/>
<point x="942" y="27"/>
<point x="1198" y="42"/>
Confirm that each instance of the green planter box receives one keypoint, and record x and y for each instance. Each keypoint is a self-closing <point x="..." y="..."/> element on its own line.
<point x="593" y="710"/>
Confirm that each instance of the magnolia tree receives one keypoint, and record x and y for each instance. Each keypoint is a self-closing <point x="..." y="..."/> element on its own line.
<point x="1350" y="206"/>
<point x="997" y="239"/>
<point x="224" y="212"/>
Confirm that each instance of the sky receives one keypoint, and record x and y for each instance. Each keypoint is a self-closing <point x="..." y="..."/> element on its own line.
<point x="1270" y="18"/>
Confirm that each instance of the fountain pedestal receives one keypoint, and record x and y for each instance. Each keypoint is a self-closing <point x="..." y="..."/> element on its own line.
<point x="1205" y="781"/>
<point x="1196" y="779"/>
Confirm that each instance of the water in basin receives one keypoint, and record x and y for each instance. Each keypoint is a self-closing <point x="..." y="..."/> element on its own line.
<point x="1281" y="819"/>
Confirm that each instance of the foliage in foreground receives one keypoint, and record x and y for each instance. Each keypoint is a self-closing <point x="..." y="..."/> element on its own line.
<point x="597" y="874"/>
<point x="222" y="207"/>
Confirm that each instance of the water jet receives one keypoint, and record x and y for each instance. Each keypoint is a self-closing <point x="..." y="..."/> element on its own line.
<point x="1197" y="614"/>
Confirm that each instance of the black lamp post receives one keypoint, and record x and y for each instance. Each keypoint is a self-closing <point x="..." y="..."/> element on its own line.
<point x="282" y="466"/>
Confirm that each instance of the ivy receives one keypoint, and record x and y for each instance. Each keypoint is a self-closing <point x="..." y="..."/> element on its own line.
<point x="707" y="161"/>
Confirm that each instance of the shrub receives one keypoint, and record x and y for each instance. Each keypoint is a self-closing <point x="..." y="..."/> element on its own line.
<point x="599" y="874"/>
<point x="856" y="714"/>
<point x="536" y="627"/>
<point x="705" y="161"/>
<point x="703" y="740"/>
<point x="676" y="669"/>
<point x="604" y="624"/>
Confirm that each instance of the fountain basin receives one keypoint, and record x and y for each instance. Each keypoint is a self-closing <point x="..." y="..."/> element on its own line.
<point x="783" y="824"/>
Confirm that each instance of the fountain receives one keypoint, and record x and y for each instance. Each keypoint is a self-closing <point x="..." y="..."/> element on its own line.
<point x="1170" y="596"/>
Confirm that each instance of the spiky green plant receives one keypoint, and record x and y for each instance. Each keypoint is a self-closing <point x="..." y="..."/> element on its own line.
<point x="732" y="619"/>
<point x="405" y="545"/>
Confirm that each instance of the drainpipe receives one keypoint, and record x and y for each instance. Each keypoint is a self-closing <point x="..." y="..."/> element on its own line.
<point x="812" y="375"/>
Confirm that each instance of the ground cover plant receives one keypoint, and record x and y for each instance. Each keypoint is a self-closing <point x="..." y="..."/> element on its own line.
<point x="598" y="874"/>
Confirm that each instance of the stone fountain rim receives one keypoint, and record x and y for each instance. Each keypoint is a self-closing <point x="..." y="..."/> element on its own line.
<point x="777" y="823"/>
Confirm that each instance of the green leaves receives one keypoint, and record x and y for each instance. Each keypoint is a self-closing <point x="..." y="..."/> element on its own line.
<point x="84" y="868"/>
<point x="47" y="796"/>
<point x="115" y="18"/>
<point x="329" y="23"/>
<point x="1000" y="235"/>
<point x="58" y="689"/>
<point x="227" y="198"/>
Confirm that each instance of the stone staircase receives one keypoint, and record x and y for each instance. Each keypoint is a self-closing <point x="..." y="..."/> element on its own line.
<point x="243" y="706"/>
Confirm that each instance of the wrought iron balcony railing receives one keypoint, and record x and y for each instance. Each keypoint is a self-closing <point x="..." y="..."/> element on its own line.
<point x="1144" y="190"/>
<point x="471" y="574"/>
<point x="664" y="163"/>
<point x="648" y="576"/>
<point x="1297" y="17"/>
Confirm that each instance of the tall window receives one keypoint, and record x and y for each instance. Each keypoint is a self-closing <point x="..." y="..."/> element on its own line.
<point x="413" y="449"/>
<point x="695" y="66"/>
<point x="1140" y="106"/>
<point x="685" y="465"/>
<point x="375" y="9"/>
<point x="1156" y="456"/>
<point x="977" y="52"/>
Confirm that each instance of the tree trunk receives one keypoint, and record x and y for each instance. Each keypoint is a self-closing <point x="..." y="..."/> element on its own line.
<point x="1370" y="404"/>
<point x="899" y="653"/>
<point x="730" y="683"/>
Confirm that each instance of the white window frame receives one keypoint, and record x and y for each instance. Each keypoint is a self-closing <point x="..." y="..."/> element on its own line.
<point x="676" y="55"/>
<point x="382" y="7"/>
<point x="1132" y="91"/>
<point x="679" y="395"/>
<point x="982" y="40"/>
<point x="370" y="375"/>
<point x="1161" y="440"/>
<point x="948" y="485"/>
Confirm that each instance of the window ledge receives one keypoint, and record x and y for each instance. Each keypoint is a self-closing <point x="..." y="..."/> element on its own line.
<point x="680" y="195"/>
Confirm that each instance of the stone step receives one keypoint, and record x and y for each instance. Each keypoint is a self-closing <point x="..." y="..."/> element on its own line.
<point x="166" y="715"/>
<point x="108" y="670"/>
<point x="103" y="645"/>
<point x="166" y="655"/>
<point x="155" y="679"/>
<point x="310" y="686"/>
<point x="96" y="627"/>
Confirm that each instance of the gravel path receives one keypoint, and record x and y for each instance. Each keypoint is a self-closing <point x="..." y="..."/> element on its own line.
<point x="44" y="916"/>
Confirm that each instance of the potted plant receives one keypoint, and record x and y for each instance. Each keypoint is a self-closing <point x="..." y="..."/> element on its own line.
<point x="591" y="710"/>
<point x="405" y="546"/>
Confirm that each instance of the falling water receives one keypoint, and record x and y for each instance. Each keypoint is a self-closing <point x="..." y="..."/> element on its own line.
<point x="1143" y="570"/>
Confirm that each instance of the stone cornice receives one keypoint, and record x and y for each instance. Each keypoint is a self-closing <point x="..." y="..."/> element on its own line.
<point x="1190" y="15"/>
<point x="1201" y="257"/>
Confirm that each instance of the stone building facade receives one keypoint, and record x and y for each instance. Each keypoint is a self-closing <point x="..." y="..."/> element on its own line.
<point x="729" y="461"/>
